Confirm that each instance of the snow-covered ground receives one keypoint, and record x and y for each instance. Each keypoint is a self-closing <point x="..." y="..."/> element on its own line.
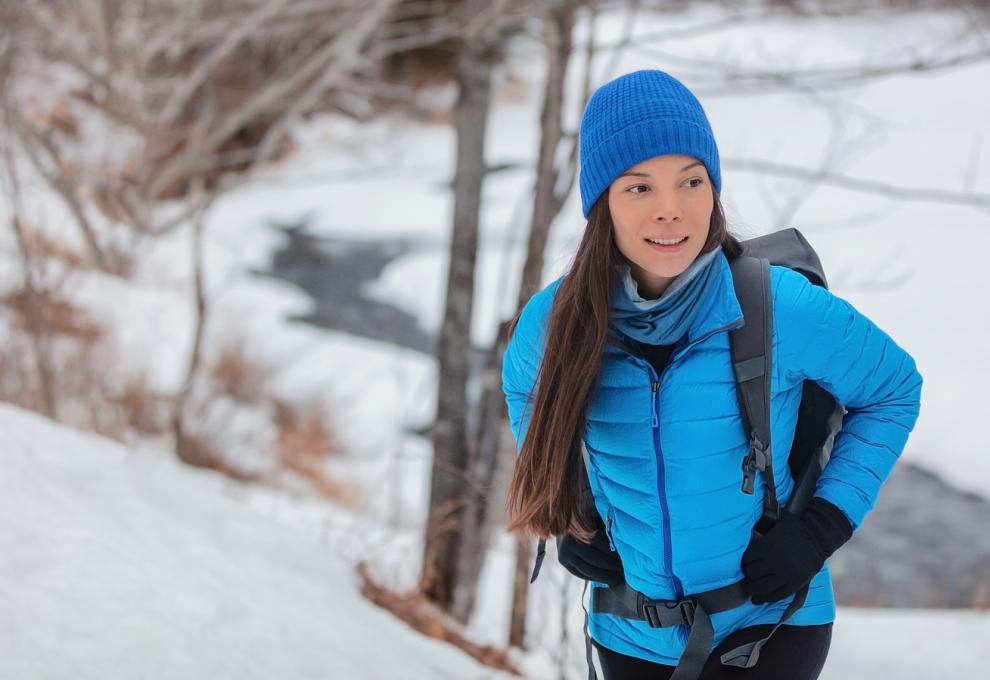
<point x="118" y="564"/>
<point x="125" y="564"/>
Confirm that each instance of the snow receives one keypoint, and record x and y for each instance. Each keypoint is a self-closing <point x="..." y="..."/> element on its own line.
<point x="916" y="644"/>
<point x="124" y="563"/>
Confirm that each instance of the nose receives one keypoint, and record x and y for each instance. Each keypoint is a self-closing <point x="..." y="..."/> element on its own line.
<point x="666" y="209"/>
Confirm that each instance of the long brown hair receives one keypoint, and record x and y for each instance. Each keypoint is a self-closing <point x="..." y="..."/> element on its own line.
<point x="544" y="494"/>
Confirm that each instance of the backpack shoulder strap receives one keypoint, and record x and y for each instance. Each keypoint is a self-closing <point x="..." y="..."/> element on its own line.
<point x="752" y="357"/>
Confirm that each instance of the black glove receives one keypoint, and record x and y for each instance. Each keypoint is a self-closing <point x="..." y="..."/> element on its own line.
<point x="593" y="562"/>
<point x="794" y="550"/>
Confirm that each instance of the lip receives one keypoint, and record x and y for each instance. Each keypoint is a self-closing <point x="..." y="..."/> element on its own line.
<point x="667" y="249"/>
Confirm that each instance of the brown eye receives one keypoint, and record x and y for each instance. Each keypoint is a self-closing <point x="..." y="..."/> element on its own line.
<point x="636" y="186"/>
<point x="696" y="179"/>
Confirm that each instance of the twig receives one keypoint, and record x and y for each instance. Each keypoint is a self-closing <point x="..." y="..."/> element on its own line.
<point x="869" y="186"/>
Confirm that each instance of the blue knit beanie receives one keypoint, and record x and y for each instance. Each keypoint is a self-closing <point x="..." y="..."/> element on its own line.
<point x="634" y="118"/>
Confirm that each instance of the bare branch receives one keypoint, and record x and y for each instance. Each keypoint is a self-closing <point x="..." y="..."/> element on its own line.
<point x="861" y="185"/>
<point x="331" y="61"/>
<point x="31" y="141"/>
<point x="430" y="34"/>
<point x="736" y="19"/>
<point x="245" y="29"/>
<point x="616" y="50"/>
<point x="762" y="81"/>
<point x="565" y="180"/>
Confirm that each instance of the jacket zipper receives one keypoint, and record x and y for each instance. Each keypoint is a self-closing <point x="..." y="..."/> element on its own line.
<point x="608" y="529"/>
<point x="668" y="556"/>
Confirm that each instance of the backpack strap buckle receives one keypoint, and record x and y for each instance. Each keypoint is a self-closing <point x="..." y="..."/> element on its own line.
<point x="757" y="460"/>
<point x="666" y="613"/>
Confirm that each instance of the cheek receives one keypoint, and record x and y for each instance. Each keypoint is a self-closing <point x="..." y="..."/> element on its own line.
<point x="701" y="217"/>
<point x="623" y="239"/>
<point x="622" y="219"/>
<point x="703" y="207"/>
<point x="623" y="231"/>
<point x="627" y="233"/>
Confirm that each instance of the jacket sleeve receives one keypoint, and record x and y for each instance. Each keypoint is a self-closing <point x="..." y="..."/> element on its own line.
<point x="521" y="362"/>
<point x="823" y="338"/>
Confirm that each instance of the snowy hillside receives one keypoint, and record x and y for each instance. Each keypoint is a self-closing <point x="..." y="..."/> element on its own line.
<point x="121" y="565"/>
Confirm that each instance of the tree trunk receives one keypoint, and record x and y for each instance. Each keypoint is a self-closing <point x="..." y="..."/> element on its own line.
<point x="478" y="520"/>
<point x="196" y="350"/>
<point x="450" y="487"/>
<point x="481" y="511"/>
<point x="520" y="592"/>
<point x="546" y="206"/>
<point x="546" y="203"/>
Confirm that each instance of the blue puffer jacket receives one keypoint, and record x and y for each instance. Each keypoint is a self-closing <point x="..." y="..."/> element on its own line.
<point x="665" y="453"/>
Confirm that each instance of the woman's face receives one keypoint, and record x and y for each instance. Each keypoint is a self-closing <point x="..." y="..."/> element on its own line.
<point x="667" y="197"/>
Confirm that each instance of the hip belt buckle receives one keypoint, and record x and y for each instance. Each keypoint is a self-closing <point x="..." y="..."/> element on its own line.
<point x="666" y="613"/>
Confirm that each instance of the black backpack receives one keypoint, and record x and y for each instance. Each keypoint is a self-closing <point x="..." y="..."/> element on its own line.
<point x="819" y="420"/>
<point x="819" y="415"/>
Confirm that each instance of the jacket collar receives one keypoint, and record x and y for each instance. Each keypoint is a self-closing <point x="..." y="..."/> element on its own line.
<point x="720" y="309"/>
<point x="722" y="306"/>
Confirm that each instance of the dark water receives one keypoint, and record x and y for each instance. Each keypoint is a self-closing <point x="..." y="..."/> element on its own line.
<point x="925" y="544"/>
<point x="332" y="272"/>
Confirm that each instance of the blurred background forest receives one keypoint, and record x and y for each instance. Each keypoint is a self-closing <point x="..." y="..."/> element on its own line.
<point x="258" y="257"/>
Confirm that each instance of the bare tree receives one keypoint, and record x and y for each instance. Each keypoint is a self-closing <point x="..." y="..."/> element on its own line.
<point x="558" y="21"/>
<point x="459" y="524"/>
<point x="553" y="184"/>
<point x="200" y="318"/>
<point x="187" y="90"/>
<point x="450" y="488"/>
<point x="193" y="94"/>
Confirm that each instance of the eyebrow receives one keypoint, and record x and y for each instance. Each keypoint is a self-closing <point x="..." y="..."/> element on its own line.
<point x="646" y="174"/>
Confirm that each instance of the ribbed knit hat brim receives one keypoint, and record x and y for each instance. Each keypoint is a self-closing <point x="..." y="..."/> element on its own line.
<point x="634" y="118"/>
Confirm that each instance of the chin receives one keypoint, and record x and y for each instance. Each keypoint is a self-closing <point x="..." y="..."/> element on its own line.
<point x="668" y="271"/>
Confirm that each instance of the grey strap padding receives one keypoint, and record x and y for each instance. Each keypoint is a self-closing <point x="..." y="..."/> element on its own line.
<point x="752" y="352"/>
<point x="750" y="369"/>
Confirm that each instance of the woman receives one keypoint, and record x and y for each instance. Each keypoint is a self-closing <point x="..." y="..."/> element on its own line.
<point x="660" y="426"/>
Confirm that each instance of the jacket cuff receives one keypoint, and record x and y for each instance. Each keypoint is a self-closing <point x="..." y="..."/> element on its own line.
<point x="828" y="525"/>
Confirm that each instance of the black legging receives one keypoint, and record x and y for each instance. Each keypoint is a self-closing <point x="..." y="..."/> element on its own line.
<point x="792" y="653"/>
